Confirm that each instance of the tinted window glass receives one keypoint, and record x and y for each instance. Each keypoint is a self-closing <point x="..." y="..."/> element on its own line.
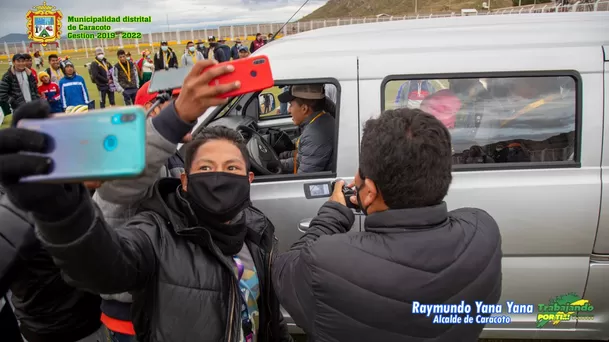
<point x="497" y="120"/>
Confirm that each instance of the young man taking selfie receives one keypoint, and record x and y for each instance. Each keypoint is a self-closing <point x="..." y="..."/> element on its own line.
<point x="196" y="258"/>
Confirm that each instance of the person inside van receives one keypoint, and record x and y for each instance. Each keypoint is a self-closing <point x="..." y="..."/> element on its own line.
<point x="365" y="286"/>
<point x="315" y="147"/>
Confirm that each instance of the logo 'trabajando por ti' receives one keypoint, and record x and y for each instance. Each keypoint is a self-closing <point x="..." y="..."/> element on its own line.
<point x="44" y="24"/>
<point x="564" y="308"/>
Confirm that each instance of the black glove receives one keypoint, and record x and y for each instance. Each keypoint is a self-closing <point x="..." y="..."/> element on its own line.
<point x="49" y="202"/>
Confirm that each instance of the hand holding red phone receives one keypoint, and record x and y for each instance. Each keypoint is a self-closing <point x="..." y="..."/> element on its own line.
<point x="197" y="95"/>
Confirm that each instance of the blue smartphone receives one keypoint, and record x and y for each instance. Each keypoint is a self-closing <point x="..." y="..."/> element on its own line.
<point x="97" y="145"/>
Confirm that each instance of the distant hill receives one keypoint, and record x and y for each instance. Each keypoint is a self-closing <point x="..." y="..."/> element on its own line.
<point x="367" y="8"/>
<point x="13" y="37"/>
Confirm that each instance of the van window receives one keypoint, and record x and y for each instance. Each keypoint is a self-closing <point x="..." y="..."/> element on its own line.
<point x="294" y="142"/>
<point x="497" y="119"/>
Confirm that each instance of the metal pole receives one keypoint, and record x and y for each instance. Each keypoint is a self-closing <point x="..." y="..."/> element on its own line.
<point x="8" y="53"/>
<point x="416" y="6"/>
<point x="84" y="41"/>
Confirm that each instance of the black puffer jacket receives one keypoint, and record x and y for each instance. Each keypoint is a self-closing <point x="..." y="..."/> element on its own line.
<point x="183" y="288"/>
<point x="49" y="309"/>
<point x="10" y="91"/>
<point x="361" y="287"/>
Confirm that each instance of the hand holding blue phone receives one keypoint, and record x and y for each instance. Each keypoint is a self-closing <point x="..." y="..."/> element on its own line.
<point x="97" y="145"/>
<point x="18" y="158"/>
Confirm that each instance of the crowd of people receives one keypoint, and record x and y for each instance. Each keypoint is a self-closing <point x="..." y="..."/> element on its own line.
<point x="181" y="253"/>
<point x="63" y="87"/>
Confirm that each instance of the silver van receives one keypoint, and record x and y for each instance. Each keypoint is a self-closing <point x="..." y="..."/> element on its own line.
<point x="528" y="95"/>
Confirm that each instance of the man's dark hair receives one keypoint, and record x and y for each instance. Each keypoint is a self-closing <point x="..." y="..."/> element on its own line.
<point x="407" y="153"/>
<point x="120" y="52"/>
<point x="27" y="56"/>
<point x="51" y="56"/>
<point x="315" y="105"/>
<point x="214" y="133"/>
<point x="189" y="42"/>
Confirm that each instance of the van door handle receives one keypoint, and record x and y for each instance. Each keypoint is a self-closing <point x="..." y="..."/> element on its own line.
<point x="303" y="226"/>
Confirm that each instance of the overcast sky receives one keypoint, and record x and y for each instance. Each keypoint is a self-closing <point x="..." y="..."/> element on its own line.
<point x="183" y="14"/>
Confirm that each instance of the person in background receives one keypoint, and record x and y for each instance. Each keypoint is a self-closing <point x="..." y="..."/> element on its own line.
<point x="215" y="52"/>
<point x="413" y="248"/>
<point x="55" y="69"/>
<point x="234" y="51"/>
<point x="257" y="43"/>
<point x="244" y="52"/>
<point x="128" y="54"/>
<point x="147" y="68"/>
<point x="444" y="105"/>
<point x="99" y="70"/>
<point x="202" y="48"/>
<point x="18" y="85"/>
<point x="73" y="88"/>
<point x="50" y="91"/>
<point x="411" y="93"/>
<point x="38" y="60"/>
<point x="165" y="58"/>
<point x="192" y="55"/>
<point x="225" y="48"/>
<point x="125" y="78"/>
<point x="28" y="64"/>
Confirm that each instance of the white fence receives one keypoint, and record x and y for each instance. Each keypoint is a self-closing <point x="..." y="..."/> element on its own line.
<point x="248" y="31"/>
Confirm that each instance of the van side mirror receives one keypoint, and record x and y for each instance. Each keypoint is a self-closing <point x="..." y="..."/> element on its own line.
<point x="268" y="103"/>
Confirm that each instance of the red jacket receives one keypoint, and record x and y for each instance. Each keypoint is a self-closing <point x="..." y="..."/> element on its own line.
<point x="35" y="74"/>
<point x="50" y="92"/>
<point x="256" y="44"/>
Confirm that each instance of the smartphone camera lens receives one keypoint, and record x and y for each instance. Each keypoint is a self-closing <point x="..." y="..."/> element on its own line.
<point x="253" y="73"/>
<point x="127" y="117"/>
<point x="110" y="143"/>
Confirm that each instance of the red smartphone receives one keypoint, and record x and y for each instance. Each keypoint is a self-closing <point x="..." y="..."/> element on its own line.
<point x="254" y="73"/>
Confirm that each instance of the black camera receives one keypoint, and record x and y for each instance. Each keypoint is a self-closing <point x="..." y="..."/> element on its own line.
<point x="347" y="192"/>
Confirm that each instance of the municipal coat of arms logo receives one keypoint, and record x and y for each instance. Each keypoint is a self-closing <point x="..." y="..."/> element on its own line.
<point x="44" y="24"/>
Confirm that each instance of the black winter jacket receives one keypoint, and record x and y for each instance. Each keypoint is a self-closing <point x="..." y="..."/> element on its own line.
<point x="361" y="287"/>
<point x="183" y="288"/>
<point x="10" y="92"/>
<point x="160" y="56"/>
<point x="49" y="309"/>
<point x="99" y="74"/>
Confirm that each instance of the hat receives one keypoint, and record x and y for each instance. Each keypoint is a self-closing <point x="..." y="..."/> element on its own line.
<point x="98" y="50"/>
<point x="444" y="105"/>
<point x="242" y="48"/>
<point x="77" y="109"/>
<point x="42" y="74"/>
<point x="67" y="64"/>
<point x="163" y="42"/>
<point x="18" y="56"/>
<point x="303" y="91"/>
<point x="238" y="40"/>
<point x="211" y="38"/>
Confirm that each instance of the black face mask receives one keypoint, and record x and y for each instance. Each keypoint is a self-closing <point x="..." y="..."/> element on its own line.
<point x="218" y="196"/>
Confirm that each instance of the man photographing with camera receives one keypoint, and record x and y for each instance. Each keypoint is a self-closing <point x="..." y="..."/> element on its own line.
<point x="360" y="287"/>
